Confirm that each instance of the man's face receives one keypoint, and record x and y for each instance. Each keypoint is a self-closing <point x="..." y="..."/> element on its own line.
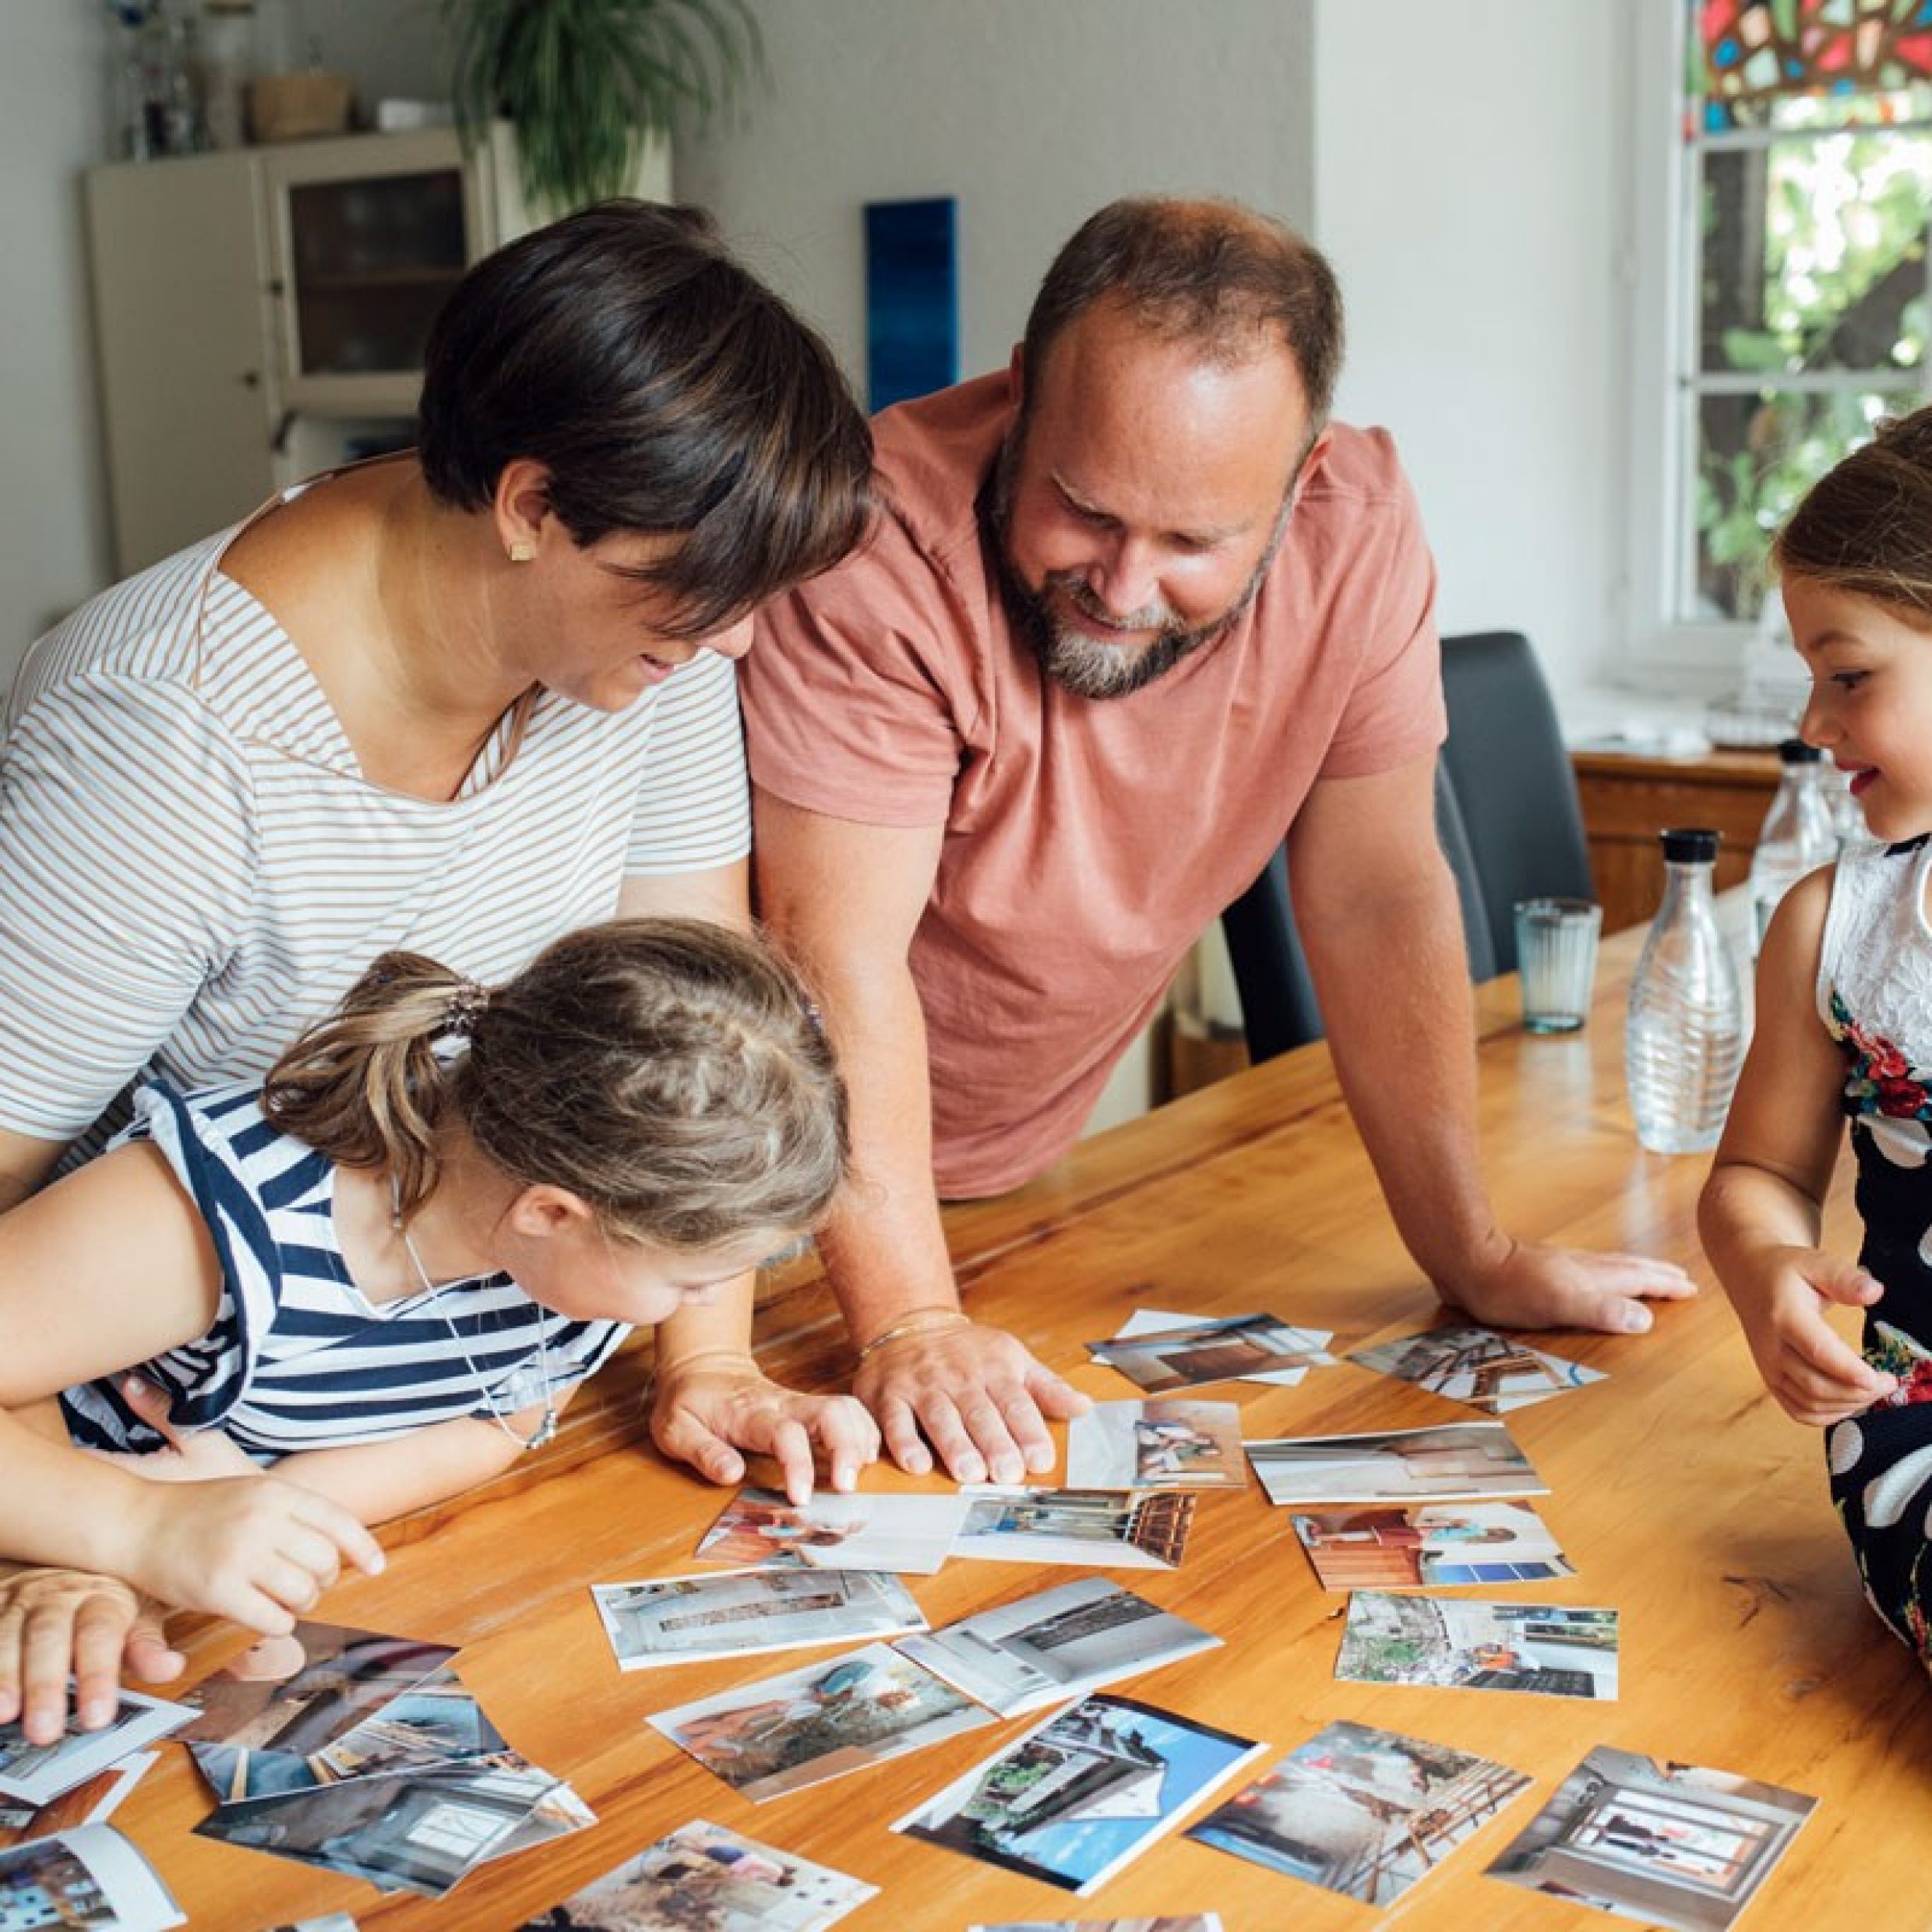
<point x="1141" y="499"/>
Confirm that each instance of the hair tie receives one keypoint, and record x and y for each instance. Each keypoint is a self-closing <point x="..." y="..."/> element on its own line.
<point x="468" y="999"/>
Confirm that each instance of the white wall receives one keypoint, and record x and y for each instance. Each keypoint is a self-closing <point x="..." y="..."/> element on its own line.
<point x="1469" y="194"/>
<point x="54" y="110"/>
<point x="1032" y="112"/>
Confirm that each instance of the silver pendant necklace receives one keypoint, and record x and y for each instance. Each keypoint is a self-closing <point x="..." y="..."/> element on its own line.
<point x="546" y="1428"/>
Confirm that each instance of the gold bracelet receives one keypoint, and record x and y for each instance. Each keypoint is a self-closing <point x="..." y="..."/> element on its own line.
<point x="917" y="1321"/>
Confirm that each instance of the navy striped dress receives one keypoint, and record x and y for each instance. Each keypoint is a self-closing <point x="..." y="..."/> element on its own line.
<point x="298" y="1358"/>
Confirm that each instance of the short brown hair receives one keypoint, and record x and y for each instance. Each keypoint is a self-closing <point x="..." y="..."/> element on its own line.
<point x="668" y="1072"/>
<point x="1212" y="272"/>
<point x="666" y="389"/>
<point x="1865" y="526"/>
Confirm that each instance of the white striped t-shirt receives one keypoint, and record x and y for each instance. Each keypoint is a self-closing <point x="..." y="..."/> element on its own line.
<point x="297" y="1358"/>
<point x="192" y="867"/>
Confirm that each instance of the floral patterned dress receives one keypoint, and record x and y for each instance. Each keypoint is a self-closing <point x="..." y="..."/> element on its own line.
<point x="1874" y="995"/>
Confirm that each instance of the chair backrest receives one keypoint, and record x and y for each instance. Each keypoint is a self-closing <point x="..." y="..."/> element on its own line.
<point x="1279" y="1011"/>
<point x="1506" y="815"/>
<point x="1513" y="781"/>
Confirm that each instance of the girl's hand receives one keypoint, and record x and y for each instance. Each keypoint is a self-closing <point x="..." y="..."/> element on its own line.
<point x="252" y="1548"/>
<point x="191" y="1455"/>
<point x="1817" y="1378"/>
<point x="707" y="1409"/>
<point x="58" y="1624"/>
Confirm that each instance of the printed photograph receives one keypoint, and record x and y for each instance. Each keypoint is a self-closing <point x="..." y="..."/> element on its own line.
<point x="88" y="1802"/>
<point x="1103" y="1529"/>
<point x="704" y="1878"/>
<point x="1055" y="1645"/>
<point x="1072" y="1801"/>
<point x="269" y="1717"/>
<point x="1670" y="1844"/>
<point x="788" y="1731"/>
<point x="1360" y="1811"/>
<point x="1477" y="1366"/>
<point x="1232" y="1349"/>
<point x="38" y="1774"/>
<point x="1149" y="1321"/>
<point x="738" y="1613"/>
<point x="89" y="1876"/>
<point x="329" y="1922"/>
<point x="1457" y="1642"/>
<point x="1454" y="1462"/>
<point x="420" y="1830"/>
<point x="1188" y="1922"/>
<point x="1155" y="1445"/>
<point x="1388" y="1548"/>
<point x="908" y="1534"/>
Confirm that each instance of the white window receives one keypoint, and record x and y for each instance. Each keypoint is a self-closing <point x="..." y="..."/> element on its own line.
<point x="1780" y="273"/>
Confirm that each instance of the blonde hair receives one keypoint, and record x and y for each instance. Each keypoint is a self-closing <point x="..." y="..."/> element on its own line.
<point x="670" y="1072"/>
<point x="1865" y="528"/>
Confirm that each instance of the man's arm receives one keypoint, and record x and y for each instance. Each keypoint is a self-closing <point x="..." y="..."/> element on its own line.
<point x="845" y="899"/>
<point x="1376" y="907"/>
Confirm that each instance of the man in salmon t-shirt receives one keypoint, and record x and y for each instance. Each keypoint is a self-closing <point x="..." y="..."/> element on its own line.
<point x="1134" y="611"/>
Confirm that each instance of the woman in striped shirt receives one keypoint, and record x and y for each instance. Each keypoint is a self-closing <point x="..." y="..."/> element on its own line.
<point x="375" y="1281"/>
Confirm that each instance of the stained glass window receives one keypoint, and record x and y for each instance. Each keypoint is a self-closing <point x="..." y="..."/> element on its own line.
<point x="1746" y="55"/>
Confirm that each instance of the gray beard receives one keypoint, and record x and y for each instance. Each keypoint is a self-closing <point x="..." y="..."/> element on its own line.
<point x="1078" y="660"/>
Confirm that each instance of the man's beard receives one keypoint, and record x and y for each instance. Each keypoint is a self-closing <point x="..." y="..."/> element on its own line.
<point x="1082" y="661"/>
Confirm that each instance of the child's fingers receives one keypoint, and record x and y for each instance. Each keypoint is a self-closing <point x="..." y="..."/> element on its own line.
<point x="346" y="1533"/>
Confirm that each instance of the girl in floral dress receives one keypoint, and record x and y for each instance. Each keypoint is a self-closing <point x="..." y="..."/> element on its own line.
<point x="1845" y="1032"/>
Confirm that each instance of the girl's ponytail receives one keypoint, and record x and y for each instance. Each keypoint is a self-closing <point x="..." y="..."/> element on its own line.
<point x="366" y="1086"/>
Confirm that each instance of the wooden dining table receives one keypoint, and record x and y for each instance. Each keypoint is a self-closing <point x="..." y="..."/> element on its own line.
<point x="1684" y="1496"/>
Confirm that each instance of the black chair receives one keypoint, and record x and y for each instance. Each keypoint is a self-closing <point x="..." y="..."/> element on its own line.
<point x="1513" y="780"/>
<point x="1508" y="817"/>
<point x="1278" y="1008"/>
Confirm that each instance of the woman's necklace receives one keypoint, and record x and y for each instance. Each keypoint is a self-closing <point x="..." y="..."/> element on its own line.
<point x="547" y="1427"/>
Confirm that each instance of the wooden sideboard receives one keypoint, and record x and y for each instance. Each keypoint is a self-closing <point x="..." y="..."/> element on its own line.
<point x="1628" y="801"/>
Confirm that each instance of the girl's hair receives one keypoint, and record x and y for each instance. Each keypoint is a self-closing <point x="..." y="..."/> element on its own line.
<point x="670" y="1072"/>
<point x="1866" y="525"/>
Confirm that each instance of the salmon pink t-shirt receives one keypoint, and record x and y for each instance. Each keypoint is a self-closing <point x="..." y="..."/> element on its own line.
<point x="1089" y="841"/>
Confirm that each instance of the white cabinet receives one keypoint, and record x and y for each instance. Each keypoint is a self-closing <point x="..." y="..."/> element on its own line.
<point x="261" y="314"/>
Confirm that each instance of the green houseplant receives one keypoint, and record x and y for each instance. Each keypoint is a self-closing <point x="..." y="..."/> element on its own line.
<point x="586" y="83"/>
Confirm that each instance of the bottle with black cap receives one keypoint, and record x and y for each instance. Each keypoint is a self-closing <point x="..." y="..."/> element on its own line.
<point x="1684" y="1036"/>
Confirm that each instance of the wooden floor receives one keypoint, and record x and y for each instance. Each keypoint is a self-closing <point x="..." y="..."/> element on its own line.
<point x="1680" y="1492"/>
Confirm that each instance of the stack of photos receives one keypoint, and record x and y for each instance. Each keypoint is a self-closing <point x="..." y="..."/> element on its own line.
<point x="90" y="1876"/>
<point x="741" y="1613"/>
<point x="88" y="1802"/>
<point x="1105" y="1529"/>
<point x="362" y="1753"/>
<point x="1076" y="1798"/>
<point x="1188" y="1922"/>
<point x="1464" y="1644"/>
<point x="1155" y="1445"/>
<point x="1058" y="1645"/>
<point x="704" y="1878"/>
<point x="1359" y="1811"/>
<point x="1453" y="1462"/>
<point x="1160" y="1355"/>
<point x="760" y="1529"/>
<point x="38" y="1774"/>
<point x="1437" y="1543"/>
<point x="1673" y="1845"/>
<point x="785" y="1732"/>
<point x="1476" y="1366"/>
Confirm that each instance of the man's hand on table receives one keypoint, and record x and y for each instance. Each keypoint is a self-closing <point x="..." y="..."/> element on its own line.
<point x="1531" y="1287"/>
<point x="976" y="1394"/>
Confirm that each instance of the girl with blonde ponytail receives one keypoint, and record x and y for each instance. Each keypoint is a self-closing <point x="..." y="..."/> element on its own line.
<point x="376" y="1280"/>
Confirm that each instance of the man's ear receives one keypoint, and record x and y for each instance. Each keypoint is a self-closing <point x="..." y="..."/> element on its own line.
<point x="541" y="1213"/>
<point x="1317" y="455"/>
<point x="519" y="507"/>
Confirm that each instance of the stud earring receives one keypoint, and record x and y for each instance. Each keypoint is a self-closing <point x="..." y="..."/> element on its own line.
<point x="522" y="550"/>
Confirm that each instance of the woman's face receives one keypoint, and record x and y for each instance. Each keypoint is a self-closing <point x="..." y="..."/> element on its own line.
<point x="585" y="627"/>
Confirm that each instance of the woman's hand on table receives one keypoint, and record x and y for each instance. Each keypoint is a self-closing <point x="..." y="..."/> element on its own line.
<point x="57" y="1623"/>
<point x="716" y="1409"/>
